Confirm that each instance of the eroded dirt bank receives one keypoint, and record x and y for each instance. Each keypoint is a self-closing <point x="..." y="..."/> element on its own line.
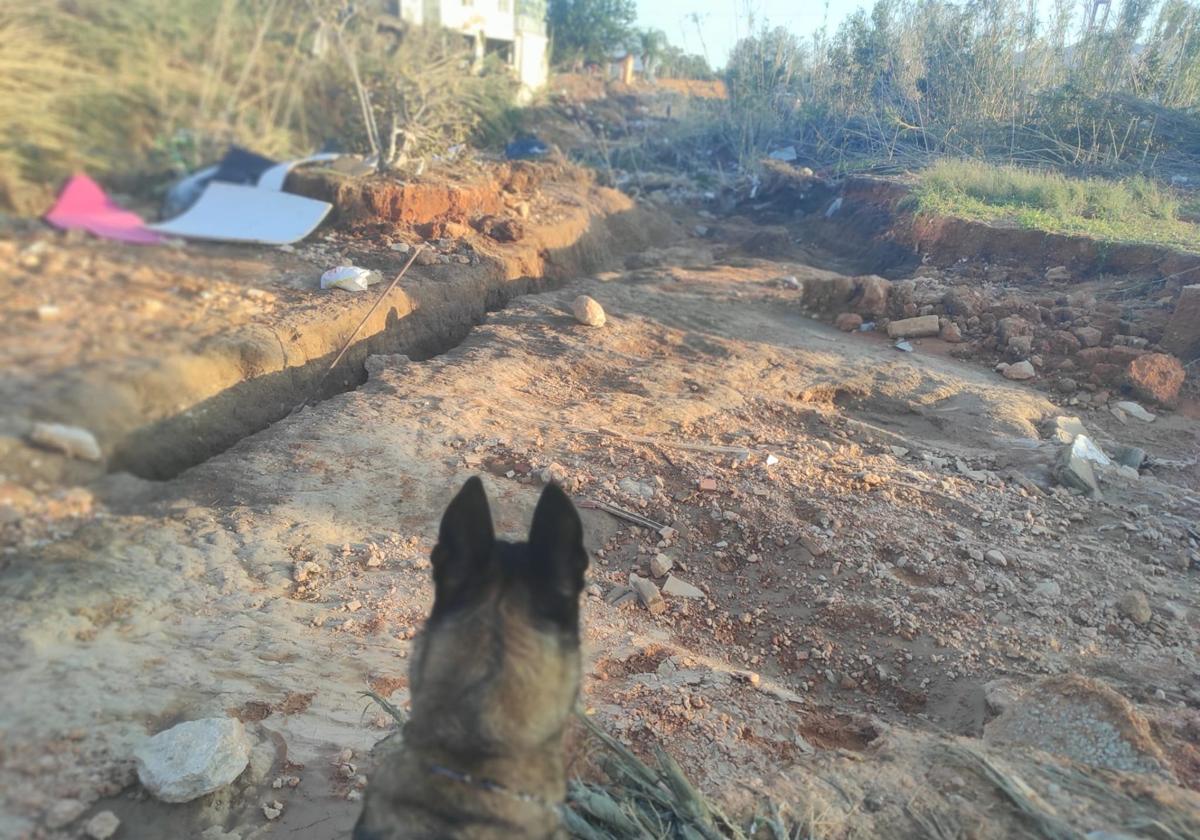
<point x="170" y="357"/>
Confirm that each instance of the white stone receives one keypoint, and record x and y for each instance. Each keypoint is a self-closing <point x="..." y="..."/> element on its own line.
<point x="1136" y="411"/>
<point x="1021" y="370"/>
<point x="70" y="440"/>
<point x="102" y="826"/>
<point x="588" y="311"/>
<point x="660" y="564"/>
<point x="192" y="759"/>
<point x="680" y="589"/>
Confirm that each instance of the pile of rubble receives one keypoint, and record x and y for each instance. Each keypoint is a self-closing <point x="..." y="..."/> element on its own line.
<point x="1086" y="346"/>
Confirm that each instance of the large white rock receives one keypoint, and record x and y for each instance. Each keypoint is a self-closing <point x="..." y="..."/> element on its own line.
<point x="194" y="758"/>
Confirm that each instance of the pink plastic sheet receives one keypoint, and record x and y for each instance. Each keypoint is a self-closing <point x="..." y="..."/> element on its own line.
<point x="83" y="205"/>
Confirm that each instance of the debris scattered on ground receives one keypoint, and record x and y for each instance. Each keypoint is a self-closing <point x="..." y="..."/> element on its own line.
<point x="83" y="205"/>
<point x="350" y="278"/>
<point x="236" y="213"/>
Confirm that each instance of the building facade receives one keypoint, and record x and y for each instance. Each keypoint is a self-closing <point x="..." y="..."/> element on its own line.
<point x="513" y="29"/>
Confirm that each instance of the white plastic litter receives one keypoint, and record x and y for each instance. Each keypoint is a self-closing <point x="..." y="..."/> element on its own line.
<point x="903" y="346"/>
<point x="236" y="213"/>
<point x="349" y="277"/>
<point x="274" y="177"/>
<point x="787" y="153"/>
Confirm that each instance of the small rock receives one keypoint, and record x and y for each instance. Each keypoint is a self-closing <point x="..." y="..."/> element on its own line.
<point x="677" y="588"/>
<point x="951" y="333"/>
<point x="1157" y="377"/>
<point x="64" y="812"/>
<point x="272" y="810"/>
<point x="1088" y="336"/>
<point x="193" y="758"/>
<point x="70" y="440"/>
<point x="708" y="484"/>
<point x="427" y="256"/>
<point x="401" y="247"/>
<point x="848" y="321"/>
<point x="1048" y="590"/>
<point x="102" y="826"/>
<point x="1058" y="274"/>
<point x="648" y="594"/>
<point x="1000" y="694"/>
<point x="995" y="557"/>
<point x="660" y="564"/>
<point x="1135" y="606"/>
<point x="1130" y="456"/>
<point x="1065" y="429"/>
<point x="1074" y="470"/>
<point x="923" y="325"/>
<point x="1135" y="411"/>
<point x="554" y="473"/>
<point x="48" y="312"/>
<point x="588" y="311"/>
<point x="700" y="230"/>
<point x="1020" y="371"/>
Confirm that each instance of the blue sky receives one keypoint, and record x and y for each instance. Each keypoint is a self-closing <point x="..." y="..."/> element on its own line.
<point x="722" y="22"/>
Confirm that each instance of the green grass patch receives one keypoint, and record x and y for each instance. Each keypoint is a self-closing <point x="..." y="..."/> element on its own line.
<point x="1135" y="210"/>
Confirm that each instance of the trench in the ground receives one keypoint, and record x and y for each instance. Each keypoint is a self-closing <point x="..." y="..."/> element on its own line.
<point x="162" y="449"/>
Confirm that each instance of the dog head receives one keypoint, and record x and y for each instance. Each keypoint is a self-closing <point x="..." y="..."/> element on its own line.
<point x="497" y="667"/>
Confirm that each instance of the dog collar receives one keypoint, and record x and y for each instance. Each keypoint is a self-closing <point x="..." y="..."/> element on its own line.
<point x="492" y="786"/>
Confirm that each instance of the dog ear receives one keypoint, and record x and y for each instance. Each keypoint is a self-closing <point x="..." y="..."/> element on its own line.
<point x="557" y="557"/>
<point x="465" y="540"/>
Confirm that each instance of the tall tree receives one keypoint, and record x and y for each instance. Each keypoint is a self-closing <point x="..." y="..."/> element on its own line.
<point x="587" y="30"/>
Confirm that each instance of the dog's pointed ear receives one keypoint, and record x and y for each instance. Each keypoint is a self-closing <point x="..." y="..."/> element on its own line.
<point x="464" y="546"/>
<point x="557" y="556"/>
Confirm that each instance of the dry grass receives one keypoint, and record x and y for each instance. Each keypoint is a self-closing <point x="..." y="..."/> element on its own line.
<point x="137" y="90"/>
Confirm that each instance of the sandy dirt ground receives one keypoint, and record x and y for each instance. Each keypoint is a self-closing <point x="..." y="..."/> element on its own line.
<point x="897" y="604"/>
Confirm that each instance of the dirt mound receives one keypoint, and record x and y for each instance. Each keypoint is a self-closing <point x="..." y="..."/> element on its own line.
<point x="1083" y="720"/>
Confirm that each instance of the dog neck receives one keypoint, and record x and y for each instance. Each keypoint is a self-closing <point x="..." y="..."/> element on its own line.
<point x="536" y="773"/>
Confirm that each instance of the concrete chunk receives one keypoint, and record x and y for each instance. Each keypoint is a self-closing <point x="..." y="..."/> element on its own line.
<point x="923" y="325"/>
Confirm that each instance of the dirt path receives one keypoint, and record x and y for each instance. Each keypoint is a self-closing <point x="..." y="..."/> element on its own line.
<point x="847" y="557"/>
